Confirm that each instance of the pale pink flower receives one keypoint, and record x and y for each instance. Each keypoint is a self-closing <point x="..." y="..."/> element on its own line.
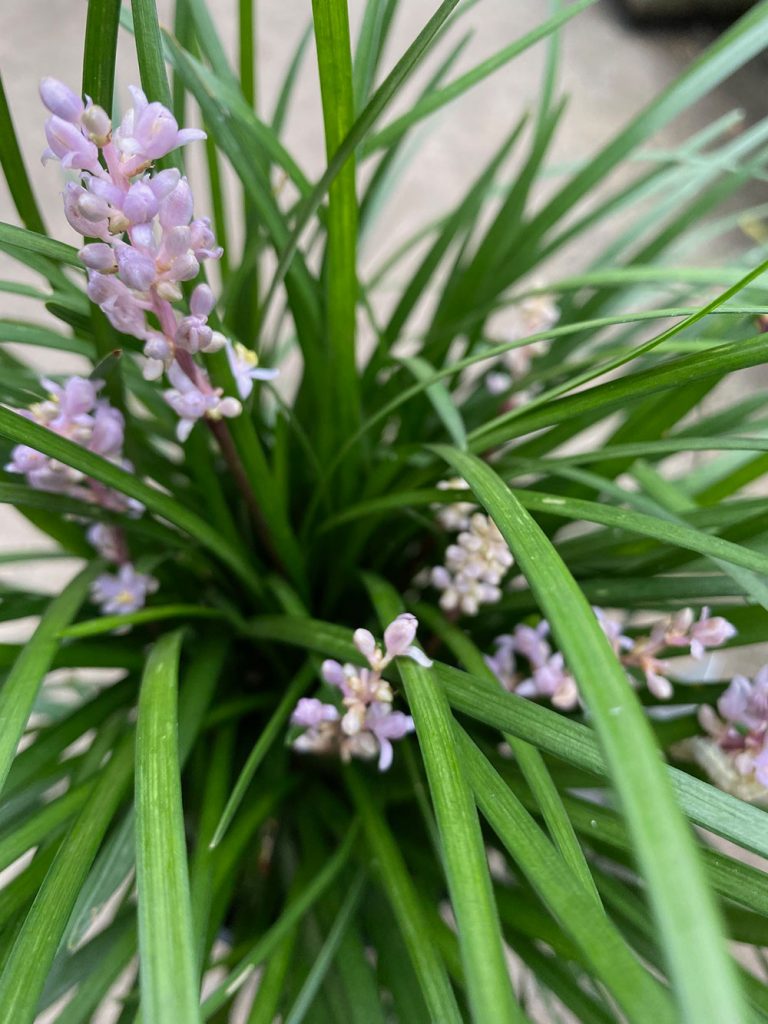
<point x="123" y="593"/>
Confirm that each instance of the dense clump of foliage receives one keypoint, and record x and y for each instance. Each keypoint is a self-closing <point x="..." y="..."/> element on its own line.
<point x="269" y="460"/>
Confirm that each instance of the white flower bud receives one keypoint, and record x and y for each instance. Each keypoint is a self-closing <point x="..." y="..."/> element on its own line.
<point x="97" y="124"/>
<point x="217" y="342"/>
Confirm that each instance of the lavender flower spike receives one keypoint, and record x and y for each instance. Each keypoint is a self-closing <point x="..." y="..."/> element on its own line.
<point x="368" y="725"/>
<point x="149" y="243"/>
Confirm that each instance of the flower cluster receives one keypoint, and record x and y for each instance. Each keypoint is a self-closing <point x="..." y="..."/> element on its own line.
<point x="73" y="410"/>
<point x="367" y="725"/>
<point x="148" y="243"/>
<point x="681" y="630"/>
<point x="476" y="563"/>
<point x="124" y="592"/>
<point x="535" y="314"/>
<point x="736" y="753"/>
<point x="549" y="677"/>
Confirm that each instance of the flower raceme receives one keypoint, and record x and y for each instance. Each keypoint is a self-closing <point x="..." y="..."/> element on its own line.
<point x="549" y="676"/>
<point x="148" y="244"/>
<point x="73" y="410"/>
<point x="367" y="725"/>
<point x="475" y="565"/>
<point x="735" y="752"/>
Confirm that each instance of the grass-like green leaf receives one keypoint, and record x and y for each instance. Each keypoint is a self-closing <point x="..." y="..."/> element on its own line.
<point x="33" y="334"/>
<point x="169" y="984"/>
<point x="746" y="38"/>
<point x="334" y="61"/>
<point x="112" y="866"/>
<point x="406" y="905"/>
<point x="690" y="927"/>
<point x="158" y="613"/>
<point x="285" y="924"/>
<point x="256" y="135"/>
<point x="367" y="118"/>
<point x="112" y="960"/>
<point x="329" y="950"/>
<point x="459" y="220"/>
<point x="100" y="51"/>
<point x="466" y="869"/>
<point x="617" y="362"/>
<point x="289" y="81"/>
<point x="638" y="994"/>
<point x="529" y="759"/>
<point x="13" y="238"/>
<point x="29" y="830"/>
<point x="21" y="686"/>
<point x="441" y="399"/>
<point x="15" y="172"/>
<point x="149" y="51"/>
<point x="28" y="962"/>
<point x="677" y="534"/>
<point x="268" y="736"/>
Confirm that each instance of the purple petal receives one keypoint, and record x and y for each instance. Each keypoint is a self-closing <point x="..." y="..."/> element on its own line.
<point x="333" y="673"/>
<point x="732" y="704"/>
<point x="60" y="100"/>
<point x="364" y="642"/>
<point x="400" y="634"/>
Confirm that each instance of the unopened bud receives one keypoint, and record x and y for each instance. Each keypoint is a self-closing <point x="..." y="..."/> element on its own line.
<point x="97" y="124"/>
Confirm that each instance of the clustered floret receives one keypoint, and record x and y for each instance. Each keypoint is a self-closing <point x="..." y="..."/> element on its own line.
<point x="475" y="565"/>
<point x="124" y="592"/>
<point x="367" y="724"/>
<point x="735" y="753"/>
<point x="548" y="675"/>
<point x="149" y="244"/>
<point x="73" y="410"/>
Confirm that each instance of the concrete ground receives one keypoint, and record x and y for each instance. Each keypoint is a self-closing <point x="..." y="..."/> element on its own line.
<point x="610" y="71"/>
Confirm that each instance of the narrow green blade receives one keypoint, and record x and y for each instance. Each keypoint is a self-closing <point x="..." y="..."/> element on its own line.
<point x="169" y="985"/>
<point x="100" y="51"/>
<point x="690" y="927"/>
<point x="18" y="693"/>
<point x="334" y="60"/>
<point x="29" y="961"/>
<point x="488" y="982"/>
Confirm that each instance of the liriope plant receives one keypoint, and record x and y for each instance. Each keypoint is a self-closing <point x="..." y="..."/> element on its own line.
<point x="429" y="697"/>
